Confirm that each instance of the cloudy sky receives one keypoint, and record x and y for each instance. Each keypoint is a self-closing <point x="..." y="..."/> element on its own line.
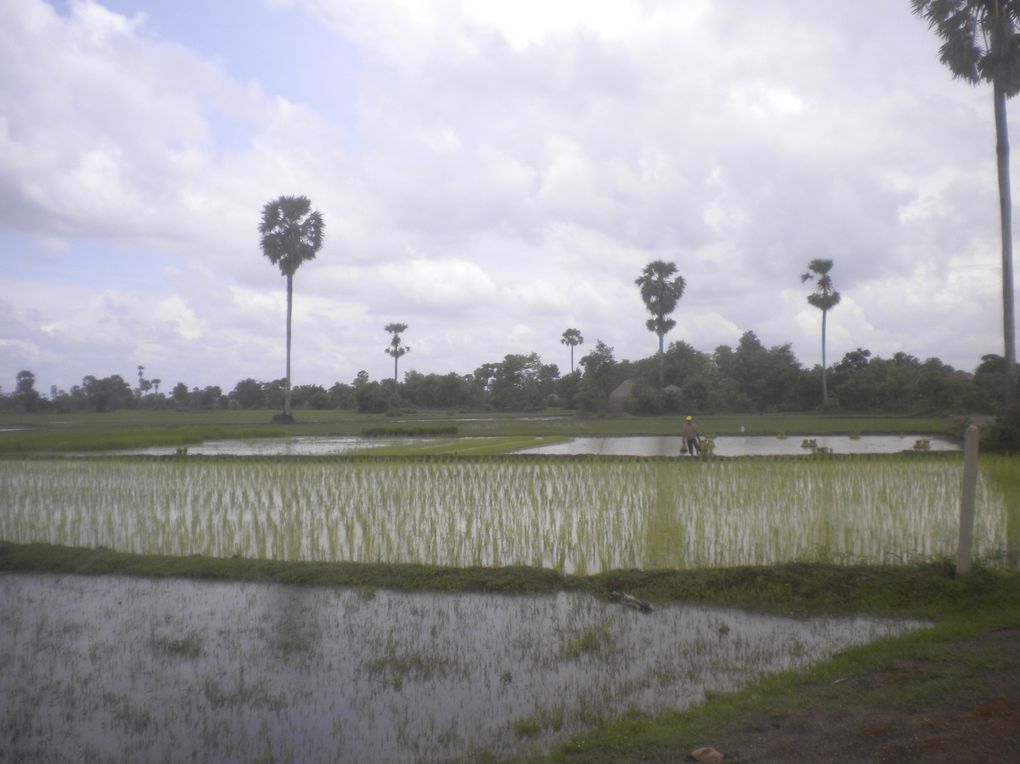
<point x="491" y="173"/>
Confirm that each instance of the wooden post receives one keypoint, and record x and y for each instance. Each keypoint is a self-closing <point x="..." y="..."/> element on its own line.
<point x="970" y="454"/>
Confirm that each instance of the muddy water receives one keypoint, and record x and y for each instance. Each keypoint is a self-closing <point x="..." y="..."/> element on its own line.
<point x="113" y="669"/>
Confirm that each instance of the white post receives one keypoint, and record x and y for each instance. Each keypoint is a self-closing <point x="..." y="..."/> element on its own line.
<point x="970" y="454"/>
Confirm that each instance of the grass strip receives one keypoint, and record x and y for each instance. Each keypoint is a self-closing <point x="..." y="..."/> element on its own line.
<point x="84" y="440"/>
<point x="46" y="558"/>
<point x="926" y="590"/>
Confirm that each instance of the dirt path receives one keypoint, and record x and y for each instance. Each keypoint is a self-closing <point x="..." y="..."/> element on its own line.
<point x="859" y="720"/>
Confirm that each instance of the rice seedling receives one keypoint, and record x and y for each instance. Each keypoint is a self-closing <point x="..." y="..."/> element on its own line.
<point x="576" y="515"/>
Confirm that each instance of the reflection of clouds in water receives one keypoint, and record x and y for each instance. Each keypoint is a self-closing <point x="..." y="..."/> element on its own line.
<point x="744" y="445"/>
<point x="311" y="445"/>
<point x="223" y="671"/>
<point x="662" y="445"/>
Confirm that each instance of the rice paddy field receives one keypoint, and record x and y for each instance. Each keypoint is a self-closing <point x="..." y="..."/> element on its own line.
<point x="104" y="668"/>
<point x="574" y="515"/>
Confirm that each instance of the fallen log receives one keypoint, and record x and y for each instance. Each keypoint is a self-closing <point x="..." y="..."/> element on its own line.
<point x="630" y="601"/>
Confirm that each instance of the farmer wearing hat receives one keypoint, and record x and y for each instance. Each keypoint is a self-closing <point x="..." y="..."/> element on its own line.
<point x="692" y="441"/>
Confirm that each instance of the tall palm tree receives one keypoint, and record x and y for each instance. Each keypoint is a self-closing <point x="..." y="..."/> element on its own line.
<point x="661" y="291"/>
<point x="573" y="338"/>
<point x="396" y="349"/>
<point x="291" y="234"/>
<point x="981" y="43"/>
<point x="825" y="297"/>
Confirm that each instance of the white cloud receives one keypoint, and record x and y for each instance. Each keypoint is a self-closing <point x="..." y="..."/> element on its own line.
<point x="490" y="173"/>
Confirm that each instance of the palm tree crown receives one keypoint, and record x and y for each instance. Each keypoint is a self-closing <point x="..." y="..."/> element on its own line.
<point x="661" y="290"/>
<point x="979" y="39"/>
<point x="290" y="233"/>
<point x="573" y="338"/>
<point x="397" y="348"/>
<point x="825" y="296"/>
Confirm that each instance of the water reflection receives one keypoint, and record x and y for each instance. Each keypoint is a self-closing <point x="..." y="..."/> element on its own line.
<point x="111" y="669"/>
<point x="747" y="445"/>
<point x="727" y="445"/>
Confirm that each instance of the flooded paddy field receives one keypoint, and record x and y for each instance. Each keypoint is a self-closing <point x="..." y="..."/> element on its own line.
<point x="727" y="445"/>
<point x="100" y="669"/>
<point x="750" y="445"/>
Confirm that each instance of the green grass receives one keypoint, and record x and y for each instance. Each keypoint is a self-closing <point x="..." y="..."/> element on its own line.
<point x="929" y="590"/>
<point x="103" y="440"/>
<point x="137" y="429"/>
<point x="45" y="558"/>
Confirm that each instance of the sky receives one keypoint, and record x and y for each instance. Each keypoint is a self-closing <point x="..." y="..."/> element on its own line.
<point x="490" y="174"/>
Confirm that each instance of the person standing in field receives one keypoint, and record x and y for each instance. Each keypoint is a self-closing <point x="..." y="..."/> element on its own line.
<point x="691" y="438"/>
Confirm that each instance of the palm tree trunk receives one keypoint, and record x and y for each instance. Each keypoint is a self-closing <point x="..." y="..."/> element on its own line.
<point x="290" y="300"/>
<point x="825" y="388"/>
<point x="1006" y="223"/>
<point x="662" y="362"/>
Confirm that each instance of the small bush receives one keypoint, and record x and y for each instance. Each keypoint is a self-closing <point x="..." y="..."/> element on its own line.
<point x="1003" y="437"/>
<point x="409" y="432"/>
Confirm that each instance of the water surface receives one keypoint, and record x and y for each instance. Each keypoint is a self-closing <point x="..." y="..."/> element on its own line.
<point x="747" y="445"/>
<point x="728" y="445"/>
<point x="116" y="669"/>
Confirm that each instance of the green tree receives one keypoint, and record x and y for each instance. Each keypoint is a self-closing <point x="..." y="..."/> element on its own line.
<point x="825" y="298"/>
<point x="179" y="394"/>
<point x="764" y="378"/>
<point x="371" y="398"/>
<point x="291" y="234"/>
<point x="573" y="338"/>
<point x="396" y="349"/>
<point x="981" y="43"/>
<point x="661" y="290"/>
<point x="248" y="394"/>
<point x="310" y="397"/>
<point x="601" y="375"/>
<point x="25" y="394"/>
<point x="108" y="394"/>
<point x="521" y="382"/>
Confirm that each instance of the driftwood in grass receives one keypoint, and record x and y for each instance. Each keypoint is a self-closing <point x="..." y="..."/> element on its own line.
<point x="630" y="601"/>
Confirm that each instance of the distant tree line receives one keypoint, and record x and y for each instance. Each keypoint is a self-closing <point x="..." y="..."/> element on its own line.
<point x="747" y="378"/>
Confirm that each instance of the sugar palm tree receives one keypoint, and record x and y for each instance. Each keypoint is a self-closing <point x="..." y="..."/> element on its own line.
<point x="661" y="291"/>
<point x="825" y="298"/>
<point x="291" y="234"/>
<point x="396" y="348"/>
<point x="573" y="338"/>
<point x="981" y="43"/>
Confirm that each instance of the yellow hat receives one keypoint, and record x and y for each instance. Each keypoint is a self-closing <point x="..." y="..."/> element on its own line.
<point x="690" y="419"/>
